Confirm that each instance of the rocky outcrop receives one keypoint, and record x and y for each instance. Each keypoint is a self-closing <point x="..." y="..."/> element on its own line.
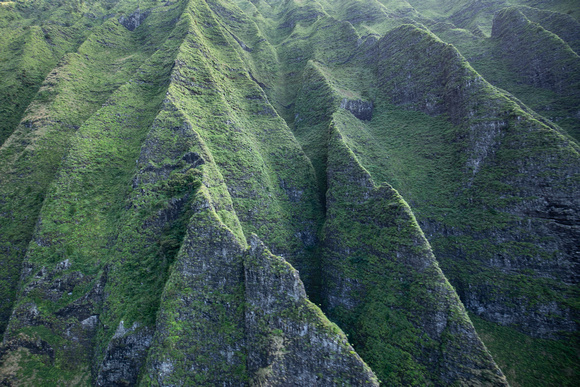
<point x="360" y="109"/>
<point x="50" y="124"/>
<point x="134" y="20"/>
<point x="75" y="323"/>
<point x="449" y="86"/>
<point x="170" y="186"/>
<point x="293" y="343"/>
<point x="125" y="356"/>
<point x="199" y="336"/>
<point x="75" y="274"/>
<point x="247" y="318"/>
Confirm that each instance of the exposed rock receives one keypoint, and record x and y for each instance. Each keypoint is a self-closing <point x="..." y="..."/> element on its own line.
<point x="76" y="323"/>
<point x="134" y="20"/>
<point x="199" y="336"/>
<point x="290" y="340"/>
<point x="11" y="352"/>
<point x="246" y="316"/>
<point x="360" y="109"/>
<point x="449" y="86"/>
<point x="125" y="355"/>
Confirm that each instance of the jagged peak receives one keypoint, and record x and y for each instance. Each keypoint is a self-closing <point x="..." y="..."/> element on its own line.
<point x="166" y="177"/>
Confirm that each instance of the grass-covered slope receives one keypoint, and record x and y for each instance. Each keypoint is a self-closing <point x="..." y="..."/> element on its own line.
<point x="428" y="158"/>
<point x="79" y="219"/>
<point x="501" y="195"/>
<point x="493" y="193"/>
<point x="164" y="167"/>
<point x="530" y="53"/>
<point x="109" y="233"/>
<point x="35" y="36"/>
<point x="541" y="59"/>
<point x="382" y="283"/>
<point x="72" y="92"/>
<point x="528" y="361"/>
<point x="357" y="265"/>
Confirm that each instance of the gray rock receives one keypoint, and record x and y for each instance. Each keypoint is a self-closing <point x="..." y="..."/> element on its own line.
<point x="134" y="20"/>
<point x="360" y="109"/>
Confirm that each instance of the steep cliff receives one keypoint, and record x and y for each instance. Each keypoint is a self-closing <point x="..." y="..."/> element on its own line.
<point x="491" y="126"/>
<point x="205" y="192"/>
<point x="550" y="63"/>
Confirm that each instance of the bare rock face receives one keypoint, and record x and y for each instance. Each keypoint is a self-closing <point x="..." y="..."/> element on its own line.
<point x="125" y="356"/>
<point x="293" y="342"/>
<point x="360" y="109"/>
<point x="77" y="321"/>
<point x="134" y="20"/>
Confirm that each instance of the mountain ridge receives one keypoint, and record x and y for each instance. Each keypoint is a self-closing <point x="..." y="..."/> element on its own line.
<point x="186" y="151"/>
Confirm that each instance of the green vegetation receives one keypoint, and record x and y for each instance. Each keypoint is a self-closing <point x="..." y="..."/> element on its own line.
<point x="30" y="158"/>
<point x="389" y="150"/>
<point x="505" y="61"/>
<point x="527" y="361"/>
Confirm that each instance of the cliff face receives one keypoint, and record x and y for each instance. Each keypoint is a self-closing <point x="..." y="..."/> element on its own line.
<point x="182" y="183"/>
<point x="381" y="282"/>
<point x="550" y="63"/>
<point x="491" y="126"/>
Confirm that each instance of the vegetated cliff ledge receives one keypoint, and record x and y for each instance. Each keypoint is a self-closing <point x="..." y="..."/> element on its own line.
<point x="491" y="126"/>
<point x="157" y="201"/>
<point x="390" y="281"/>
<point x="111" y="318"/>
<point x="538" y="57"/>
<point x="379" y="274"/>
<point x="563" y="25"/>
<point x="541" y="57"/>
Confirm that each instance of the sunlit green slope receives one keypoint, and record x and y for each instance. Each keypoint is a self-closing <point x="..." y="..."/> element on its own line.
<point x="276" y="192"/>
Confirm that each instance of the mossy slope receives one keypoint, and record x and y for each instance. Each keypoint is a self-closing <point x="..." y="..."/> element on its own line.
<point x="491" y="128"/>
<point x="114" y="252"/>
<point x="382" y="283"/>
<point x="149" y="141"/>
<point x="70" y="94"/>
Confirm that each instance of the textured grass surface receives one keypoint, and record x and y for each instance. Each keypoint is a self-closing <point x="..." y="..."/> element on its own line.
<point x="527" y="361"/>
<point x="113" y="142"/>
